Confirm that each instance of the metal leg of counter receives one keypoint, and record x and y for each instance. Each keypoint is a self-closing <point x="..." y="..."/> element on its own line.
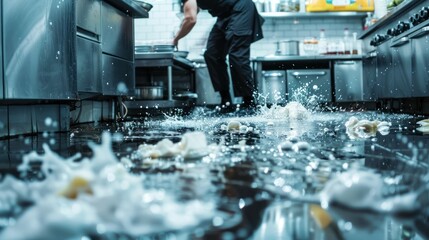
<point x="170" y="82"/>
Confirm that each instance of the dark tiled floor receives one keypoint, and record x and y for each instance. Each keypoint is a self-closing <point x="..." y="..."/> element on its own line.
<point x="247" y="178"/>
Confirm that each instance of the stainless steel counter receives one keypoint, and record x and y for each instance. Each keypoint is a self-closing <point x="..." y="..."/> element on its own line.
<point x="276" y="58"/>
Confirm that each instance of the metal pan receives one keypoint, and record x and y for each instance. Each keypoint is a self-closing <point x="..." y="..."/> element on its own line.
<point x="150" y="92"/>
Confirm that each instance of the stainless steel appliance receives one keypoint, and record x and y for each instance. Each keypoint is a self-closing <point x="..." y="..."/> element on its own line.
<point x="420" y="62"/>
<point x="149" y="92"/>
<point x="400" y="85"/>
<point x="4" y="122"/>
<point x="117" y="45"/>
<point x="303" y="84"/>
<point x="273" y="86"/>
<point x="88" y="47"/>
<point x="1" y="63"/>
<point x="39" y="49"/>
<point x="369" y="65"/>
<point x="384" y="74"/>
<point x="348" y="81"/>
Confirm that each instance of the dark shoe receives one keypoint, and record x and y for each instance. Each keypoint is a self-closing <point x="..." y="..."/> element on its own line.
<point x="229" y="108"/>
<point x="248" y="102"/>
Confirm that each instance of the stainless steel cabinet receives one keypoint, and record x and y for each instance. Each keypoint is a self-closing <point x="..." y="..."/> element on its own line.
<point x="305" y="84"/>
<point x="88" y="18"/>
<point x="385" y="74"/>
<point x="420" y="62"/>
<point x="117" y="33"/>
<point x="39" y="49"/>
<point x="273" y="86"/>
<point x="117" y="76"/>
<point x="1" y="60"/>
<point x="88" y="47"/>
<point x="369" y="86"/>
<point x="4" y="121"/>
<point x="400" y="85"/>
<point x="348" y="81"/>
<point x="88" y="67"/>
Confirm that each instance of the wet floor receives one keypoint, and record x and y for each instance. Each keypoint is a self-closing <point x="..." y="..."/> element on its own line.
<point x="263" y="179"/>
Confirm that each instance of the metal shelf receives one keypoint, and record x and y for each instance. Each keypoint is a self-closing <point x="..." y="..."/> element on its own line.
<point x="313" y="14"/>
<point x="146" y="104"/>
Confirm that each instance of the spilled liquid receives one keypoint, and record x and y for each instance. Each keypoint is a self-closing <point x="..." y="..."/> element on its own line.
<point x="261" y="179"/>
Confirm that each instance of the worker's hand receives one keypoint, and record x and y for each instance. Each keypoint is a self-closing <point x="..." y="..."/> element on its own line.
<point x="175" y="42"/>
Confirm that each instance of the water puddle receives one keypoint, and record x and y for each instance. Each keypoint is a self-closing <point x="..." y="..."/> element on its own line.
<point x="279" y="174"/>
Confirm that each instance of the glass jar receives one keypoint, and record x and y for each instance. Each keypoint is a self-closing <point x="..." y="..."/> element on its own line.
<point x="294" y="5"/>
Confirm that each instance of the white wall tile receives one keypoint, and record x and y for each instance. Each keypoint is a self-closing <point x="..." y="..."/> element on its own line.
<point x="163" y="21"/>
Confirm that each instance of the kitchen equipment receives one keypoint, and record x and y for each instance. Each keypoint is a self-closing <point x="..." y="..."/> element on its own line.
<point x="273" y="87"/>
<point x="182" y="54"/>
<point x="186" y="96"/>
<point x="369" y="66"/>
<point x="163" y="48"/>
<point x="204" y="87"/>
<point x="400" y="86"/>
<point x="143" y="48"/>
<point x="348" y="81"/>
<point x="287" y="47"/>
<point x="420" y="62"/>
<point x="304" y="84"/>
<point x="149" y="92"/>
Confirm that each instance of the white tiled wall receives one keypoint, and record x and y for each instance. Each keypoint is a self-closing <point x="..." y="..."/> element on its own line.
<point x="164" y="20"/>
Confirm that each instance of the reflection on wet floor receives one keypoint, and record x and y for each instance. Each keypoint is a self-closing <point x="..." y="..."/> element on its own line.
<point x="264" y="179"/>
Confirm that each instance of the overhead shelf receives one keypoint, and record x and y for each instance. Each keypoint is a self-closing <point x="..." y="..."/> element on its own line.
<point x="313" y="14"/>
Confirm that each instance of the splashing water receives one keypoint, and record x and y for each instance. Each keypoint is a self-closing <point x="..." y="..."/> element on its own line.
<point x="82" y="197"/>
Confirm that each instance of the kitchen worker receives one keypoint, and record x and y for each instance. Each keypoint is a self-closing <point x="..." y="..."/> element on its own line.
<point x="238" y="25"/>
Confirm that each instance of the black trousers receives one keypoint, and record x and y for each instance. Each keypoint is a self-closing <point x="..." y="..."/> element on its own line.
<point x="220" y="44"/>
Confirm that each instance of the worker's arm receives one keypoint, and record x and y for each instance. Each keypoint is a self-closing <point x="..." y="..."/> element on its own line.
<point x="190" y="11"/>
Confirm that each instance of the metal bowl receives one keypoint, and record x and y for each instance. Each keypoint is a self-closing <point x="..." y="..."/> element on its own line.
<point x="150" y="92"/>
<point x="182" y="54"/>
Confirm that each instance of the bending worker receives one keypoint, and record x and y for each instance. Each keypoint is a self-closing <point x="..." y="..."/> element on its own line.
<point x="238" y="25"/>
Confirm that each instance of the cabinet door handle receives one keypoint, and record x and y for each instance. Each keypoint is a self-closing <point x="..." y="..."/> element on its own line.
<point x="420" y="33"/>
<point x="273" y="74"/>
<point x="345" y="63"/>
<point x="400" y="42"/>
<point x="318" y="73"/>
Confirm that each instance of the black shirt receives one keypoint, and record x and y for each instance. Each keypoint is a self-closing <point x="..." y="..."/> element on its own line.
<point x="215" y="7"/>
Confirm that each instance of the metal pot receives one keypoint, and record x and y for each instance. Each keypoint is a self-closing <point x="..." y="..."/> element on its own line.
<point x="287" y="47"/>
<point x="150" y="92"/>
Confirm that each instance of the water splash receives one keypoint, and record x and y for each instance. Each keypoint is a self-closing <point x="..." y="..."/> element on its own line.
<point x="77" y="195"/>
